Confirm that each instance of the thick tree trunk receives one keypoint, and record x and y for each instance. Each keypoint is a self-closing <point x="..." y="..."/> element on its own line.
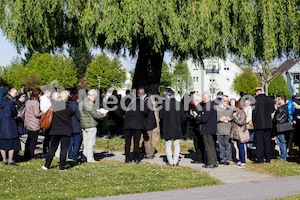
<point x="148" y="68"/>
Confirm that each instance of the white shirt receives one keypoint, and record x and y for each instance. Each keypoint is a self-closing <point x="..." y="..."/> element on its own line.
<point x="45" y="103"/>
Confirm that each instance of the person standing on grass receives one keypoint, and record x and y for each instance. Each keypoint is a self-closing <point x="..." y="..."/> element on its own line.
<point x="9" y="140"/>
<point x="60" y="130"/>
<point x="171" y="115"/>
<point x="32" y="122"/>
<point x="75" y="141"/>
<point x="262" y="122"/>
<point x="88" y="122"/>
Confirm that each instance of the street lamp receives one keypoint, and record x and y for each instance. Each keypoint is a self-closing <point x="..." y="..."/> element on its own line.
<point x="98" y="78"/>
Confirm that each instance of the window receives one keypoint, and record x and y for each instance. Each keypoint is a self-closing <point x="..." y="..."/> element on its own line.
<point x="212" y="68"/>
<point x="296" y="76"/>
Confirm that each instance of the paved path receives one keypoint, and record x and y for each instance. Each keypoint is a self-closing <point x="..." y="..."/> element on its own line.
<point x="239" y="184"/>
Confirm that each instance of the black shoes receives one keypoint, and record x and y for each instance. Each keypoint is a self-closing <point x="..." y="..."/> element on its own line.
<point x="209" y="166"/>
<point x="224" y="163"/>
<point x="149" y="157"/>
<point x="12" y="163"/>
<point x="196" y="162"/>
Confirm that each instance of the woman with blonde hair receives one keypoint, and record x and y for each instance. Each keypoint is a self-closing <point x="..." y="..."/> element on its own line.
<point x="60" y="130"/>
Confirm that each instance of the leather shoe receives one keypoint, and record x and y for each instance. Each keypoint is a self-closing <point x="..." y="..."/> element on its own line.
<point x="209" y="166"/>
<point x="196" y="162"/>
<point x="149" y="157"/>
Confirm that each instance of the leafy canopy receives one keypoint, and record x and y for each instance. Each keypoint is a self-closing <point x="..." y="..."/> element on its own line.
<point x="279" y="87"/>
<point x="110" y="72"/>
<point x="182" y="78"/>
<point x="246" y="82"/>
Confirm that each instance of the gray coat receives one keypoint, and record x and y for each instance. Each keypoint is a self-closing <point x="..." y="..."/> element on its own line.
<point x="32" y="115"/>
<point x="222" y="127"/>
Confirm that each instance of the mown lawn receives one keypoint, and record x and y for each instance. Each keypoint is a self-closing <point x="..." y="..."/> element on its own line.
<point x="296" y="197"/>
<point x="105" y="178"/>
<point x="117" y="144"/>
<point x="276" y="168"/>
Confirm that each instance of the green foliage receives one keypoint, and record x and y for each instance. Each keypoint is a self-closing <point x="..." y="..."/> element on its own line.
<point x="182" y="78"/>
<point x="81" y="57"/>
<point x="279" y="87"/>
<point x="246" y="82"/>
<point x="42" y="69"/>
<point x="93" y="180"/>
<point x="110" y="71"/>
<point x="48" y="68"/>
<point x="166" y="78"/>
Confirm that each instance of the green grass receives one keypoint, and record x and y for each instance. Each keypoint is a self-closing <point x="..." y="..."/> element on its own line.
<point x="117" y="144"/>
<point x="276" y="168"/>
<point x="29" y="181"/>
<point x="296" y="197"/>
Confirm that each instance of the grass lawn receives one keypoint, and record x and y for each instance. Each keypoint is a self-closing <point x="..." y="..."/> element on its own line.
<point x="296" y="197"/>
<point x="276" y="168"/>
<point x="117" y="144"/>
<point x="105" y="178"/>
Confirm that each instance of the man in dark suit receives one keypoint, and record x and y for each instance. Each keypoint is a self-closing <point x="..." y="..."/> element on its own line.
<point x="262" y="122"/>
<point x="208" y="128"/>
<point x="133" y="123"/>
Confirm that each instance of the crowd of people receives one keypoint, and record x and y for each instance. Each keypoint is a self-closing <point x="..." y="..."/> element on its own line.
<point x="217" y="127"/>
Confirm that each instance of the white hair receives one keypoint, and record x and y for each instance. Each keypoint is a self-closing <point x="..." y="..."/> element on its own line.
<point x="55" y="96"/>
<point x="64" y="95"/>
<point x="93" y="92"/>
<point x="197" y="96"/>
<point x="207" y="94"/>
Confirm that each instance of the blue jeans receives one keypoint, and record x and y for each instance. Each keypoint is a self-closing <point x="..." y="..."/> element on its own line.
<point x="74" y="146"/>
<point x="280" y="140"/>
<point x="242" y="153"/>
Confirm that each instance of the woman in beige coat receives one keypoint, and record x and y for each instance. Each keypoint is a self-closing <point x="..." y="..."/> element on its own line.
<point x="32" y="122"/>
<point x="238" y="126"/>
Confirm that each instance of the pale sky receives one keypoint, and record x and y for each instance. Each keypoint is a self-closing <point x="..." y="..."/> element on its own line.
<point x="8" y="52"/>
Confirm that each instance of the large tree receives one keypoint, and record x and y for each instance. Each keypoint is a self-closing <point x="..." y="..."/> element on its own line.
<point x="182" y="79"/>
<point x="245" y="82"/>
<point x="256" y="30"/>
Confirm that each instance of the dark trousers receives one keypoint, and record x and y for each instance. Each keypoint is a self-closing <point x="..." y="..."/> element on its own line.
<point x="199" y="147"/>
<point x="54" y="142"/>
<point x="31" y="144"/>
<point x="263" y="144"/>
<point x="136" y="134"/>
<point x="210" y="149"/>
<point x="46" y="141"/>
<point x="73" y="150"/>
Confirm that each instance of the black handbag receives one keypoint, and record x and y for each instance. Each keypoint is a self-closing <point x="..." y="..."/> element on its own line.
<point x="286" y="126"/>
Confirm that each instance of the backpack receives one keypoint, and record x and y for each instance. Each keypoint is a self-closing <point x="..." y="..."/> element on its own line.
<point x="21" y="113"/>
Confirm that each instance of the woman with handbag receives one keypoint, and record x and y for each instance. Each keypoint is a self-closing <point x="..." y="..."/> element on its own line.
<point x="281" y="117"/>
<point x="240" y="133"/>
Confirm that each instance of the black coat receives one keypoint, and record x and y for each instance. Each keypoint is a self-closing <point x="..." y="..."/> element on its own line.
<point x="171" y="119"/>
<point x="61" y="122"/>
<point x="150" y="121"/>
<point x="134" y="115"/>
<point x="261" y="114"/>
<point x="207" y="119"/>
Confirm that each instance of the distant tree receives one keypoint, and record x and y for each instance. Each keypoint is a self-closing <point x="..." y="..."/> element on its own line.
<point x="110" y="72"/>
<point x="279" y="87"/>
<point x="81" y="57"/>
<point x="182" y="79"/>
<point x="246" y="82"/>
<point x="14" y="74"/>
<point x="166" y="78"/>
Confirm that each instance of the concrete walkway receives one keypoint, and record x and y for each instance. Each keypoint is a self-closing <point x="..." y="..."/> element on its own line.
<point x="239" y="183"/>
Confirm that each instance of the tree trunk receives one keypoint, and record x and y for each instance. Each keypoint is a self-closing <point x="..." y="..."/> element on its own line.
<point x="148" y="68"/>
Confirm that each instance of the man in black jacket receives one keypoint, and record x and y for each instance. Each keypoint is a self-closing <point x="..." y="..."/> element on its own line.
<point x="208" y="128"/>
<point x="262" y="122"/>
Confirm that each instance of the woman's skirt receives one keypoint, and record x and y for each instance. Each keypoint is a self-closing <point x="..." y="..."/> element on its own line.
<point x="9" y="144"/>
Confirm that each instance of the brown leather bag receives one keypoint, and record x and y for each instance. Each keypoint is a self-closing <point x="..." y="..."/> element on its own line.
<point x="46" y="119"/>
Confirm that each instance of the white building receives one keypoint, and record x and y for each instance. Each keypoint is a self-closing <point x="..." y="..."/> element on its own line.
<point x="292" y="77"/>
<point x="216" y="75"/>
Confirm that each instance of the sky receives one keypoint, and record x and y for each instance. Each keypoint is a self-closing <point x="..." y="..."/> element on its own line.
<point x="8" y="52"/>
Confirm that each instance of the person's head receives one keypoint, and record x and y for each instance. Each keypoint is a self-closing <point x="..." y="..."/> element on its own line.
<point x="197" y="98"/>
<point x="92" y="94"/>
<point x="115" y="93"/>
<point x="206" y="96"/>
<point x="22" y="88"/>
<point x="220" y="95"/>
<point x="258" y="91"/>
<point x="232" y="102"/>
<point x="13" y="92"/>
<point x="48" y="90"/>
<point x="55" y="96"/>
<point x="141" y="92"/>
<point x="225" y="100"/>
<point x="238" y="105"/>
<point x="247" y="102"/>
<point x="64" y="95"/>
<point x="74" y="97"/>
<point x="171" y="94"/>
<point x="282" y="100"/>
<point x="127" y="92"/>
<point x="35" y="94"/>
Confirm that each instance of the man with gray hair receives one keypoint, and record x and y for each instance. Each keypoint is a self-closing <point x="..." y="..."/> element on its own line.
<point x="208" y="127"/>
<point x="88" y="121"/>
